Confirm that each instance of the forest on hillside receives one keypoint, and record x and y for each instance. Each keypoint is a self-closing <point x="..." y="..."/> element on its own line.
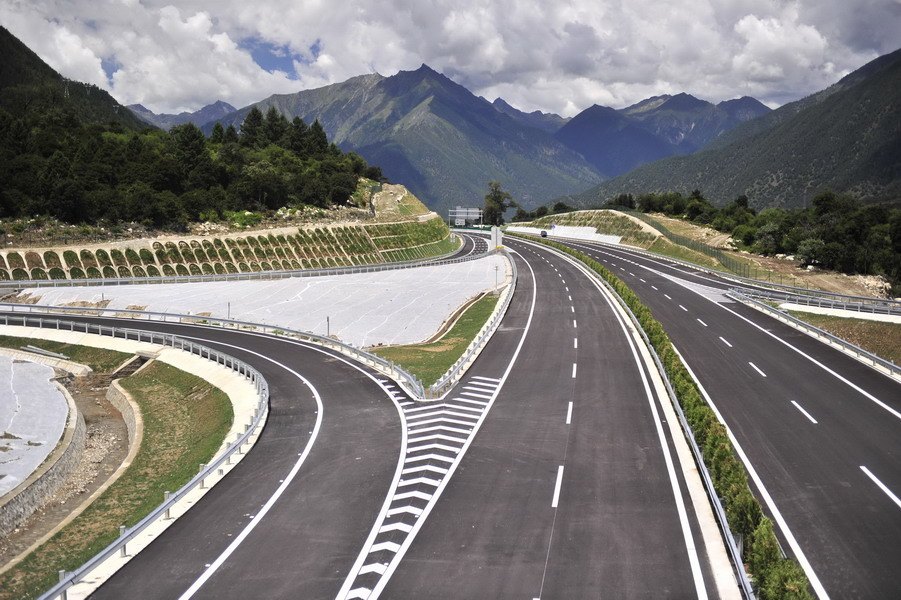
<point x="56" y="164"/>
<point x="835" y="231"/>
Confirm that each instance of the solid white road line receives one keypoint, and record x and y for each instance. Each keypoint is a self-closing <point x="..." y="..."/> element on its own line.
<point x="556" y="499"/>
<point x="756" y="368"/>
<point x="725" y="342"/>
<point x="764" y="493"/>
<point x="569" y="414"/>
<point x="881" y="485"/>
<point x="702" y="322"/>
<point x="574" y="370"/>
<point x="804" y="412"/>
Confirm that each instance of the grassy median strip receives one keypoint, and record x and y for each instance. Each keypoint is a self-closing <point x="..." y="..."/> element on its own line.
<point x="774" y="577"/>
<point x="185" y="421"/>
<point x="99" y="359"/>
<point x="431" y="361"/>
<point x="877" y="337"/>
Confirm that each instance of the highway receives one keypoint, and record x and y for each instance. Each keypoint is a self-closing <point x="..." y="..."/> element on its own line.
<point x="820" y="430"/>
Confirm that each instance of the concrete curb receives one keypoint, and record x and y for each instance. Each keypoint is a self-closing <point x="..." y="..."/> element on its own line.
<point x="75" y="368"/>
<point x="22" y="501"/>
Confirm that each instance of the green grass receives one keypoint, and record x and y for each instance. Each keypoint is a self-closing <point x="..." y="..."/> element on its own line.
<point x="882" y="339"/>
<point x="667" y="248"/>
<point x="185" y="421"/>
<point x="431" y="361"/>
<point x="100" y="360"/>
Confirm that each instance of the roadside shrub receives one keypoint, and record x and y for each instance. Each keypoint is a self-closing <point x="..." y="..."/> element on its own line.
<point x="94" y="273"/>
<point x="87" y="259"/>
<point x="181" y="270"/>
<point x="15" y="260"/>
<point x="109" y="272"/>
<point x="162" y="256"/>
<point x="231" y="268"/>
<point x="103" y="258"/>
<point x="245" y="268"/>
<point x="57" y="273"/>
<point x="38" y="273"/>
<point x="138" y="271"/>
<point x="147" y="256"/>
<point x="71" y="259"/>
<point x="152" y="271"/>
<point x="265" y="266"/>
<point x="207" y="269"/>
<point x="20" y="274"/>
<point x="76" y="273"/>
<point x="117" y="257"/>
<point x="124" y="272"/>
<point x="219" y="268"/>
<point x="51" y="259"/>
<point x="134" y="258"/>
<point x="168" y="271"/>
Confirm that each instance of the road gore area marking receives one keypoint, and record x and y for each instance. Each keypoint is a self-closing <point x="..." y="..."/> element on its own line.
<point x="569" y="414"/>
<point x="725" y="342"/>
<point x="804" y="412"/>
<point x="557" y="486"/>
<point x="756" y="368"/>
<point x="881" y="485"/>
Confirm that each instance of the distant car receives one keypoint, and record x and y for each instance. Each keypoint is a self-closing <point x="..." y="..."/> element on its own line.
<point x="543" y="233"/>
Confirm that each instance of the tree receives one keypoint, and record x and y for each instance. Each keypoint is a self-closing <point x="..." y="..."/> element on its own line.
<point x="231" y="135"/>
<point x="218" y="134"/>
<point x="275" y="126"/>
<point x="317" y="142"/>
<point x="497" y="201"/>
<point x="252" y="128"/>
<point x="562" y="207"/>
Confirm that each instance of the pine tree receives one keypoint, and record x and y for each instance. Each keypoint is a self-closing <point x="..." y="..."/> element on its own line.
<point x="252" y="128"/>
<point x="275" y="126"/>
<point x="317" y="142"/>
<point x="231" y="135"/>
<point x="218" y="135"/>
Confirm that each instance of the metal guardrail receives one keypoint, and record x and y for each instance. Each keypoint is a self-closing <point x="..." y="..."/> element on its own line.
<point x="836" y="301"/>
<point x="257" y="275"/>
<point x="68" y="579"/>
<point x="407" y="380"/>
<point x="718" y="509"/>
<point x="450" y="378"/>
<point x="860" y="353"/>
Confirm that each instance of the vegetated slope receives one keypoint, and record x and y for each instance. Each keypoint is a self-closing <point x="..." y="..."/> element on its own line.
<point x="547" y="122"/>
<point x="437" y="138"/>
<point x="28" y="86"/>
<point x="166" y="121"/>
<point x="847" y="138"/>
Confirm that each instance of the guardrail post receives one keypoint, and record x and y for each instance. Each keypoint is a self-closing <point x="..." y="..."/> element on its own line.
<point x="122" y="551"/>
<point x="166" y="496"/>
<point x="62" y="577"/>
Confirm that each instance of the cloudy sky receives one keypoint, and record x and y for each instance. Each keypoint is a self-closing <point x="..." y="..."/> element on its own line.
<point x="553" y="55"/>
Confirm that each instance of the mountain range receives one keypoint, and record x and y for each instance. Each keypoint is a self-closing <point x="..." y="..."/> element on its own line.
<point x="445" y="143"/>
<point x="208" y="113"/>
<point x="846" y="138"/>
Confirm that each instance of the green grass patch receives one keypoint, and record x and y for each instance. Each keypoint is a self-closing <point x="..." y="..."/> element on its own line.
<point x="99" y="359"/>
<point x="873" y="336"/>
<point x="431" y="361"/>
<point x="185" y="421"/>
<point x="667" y="248"/>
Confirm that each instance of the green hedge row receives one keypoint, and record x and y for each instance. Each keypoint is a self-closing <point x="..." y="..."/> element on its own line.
<point x="775" y="577"/>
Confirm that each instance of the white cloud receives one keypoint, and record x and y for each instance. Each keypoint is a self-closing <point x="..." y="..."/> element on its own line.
<point x="552" y="56"/>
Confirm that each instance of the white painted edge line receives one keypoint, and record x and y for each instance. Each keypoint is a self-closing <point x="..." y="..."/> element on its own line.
<point x="881" y="485"/>
<point x="569" y="414"/>
<point x="804" y="412"/>
<point x="722" y="339"/>
<point x="764" y="493"/>
<point x="557" y="486"/>
<point x="398" y="557"/>
<point x="756" y="368"/>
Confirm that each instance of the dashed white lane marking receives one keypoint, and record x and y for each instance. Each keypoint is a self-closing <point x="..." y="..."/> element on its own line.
<point x="881" y="485"/>
<point x="702" y="322"/>
<point x="756" y="368"/>
<point x="559" y="483"/>
<point x="683" y="308"/>
<point x="575" y="342"/>
<point x="804" y="412"/>
<point x="725" y="341"/>
<point x="570" y="298"/>
<point x="654" y="287"/>
<point x="574" y="370"/>
<point x="642" y="280"/>
<point x="567" y="288"/>
<point x="569" y="414"/>
<point x="564" y="281"/>
<point x="572" y="308"/>
<point x="667" y="296"/>
<point x="631" y="273"/>
<point x="574" y="323"/>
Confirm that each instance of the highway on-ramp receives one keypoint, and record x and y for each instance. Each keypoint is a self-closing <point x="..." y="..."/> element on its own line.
<point x="820" y="430"/>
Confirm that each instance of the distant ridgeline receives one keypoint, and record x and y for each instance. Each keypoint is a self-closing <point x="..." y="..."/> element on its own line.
<point x="283" y="249"/>
<point x="68" y="150"/>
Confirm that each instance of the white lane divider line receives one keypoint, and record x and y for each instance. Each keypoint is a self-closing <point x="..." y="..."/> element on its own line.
<point x="654" y="287"/>
<point x="574" y="370"/>
<point x="559" y="483"/>
<point x="575" y="342"/>
<point x="667" y="296"/>
<point x="567" y="288"/>
<point x="642" y="280"/>
<point x="572" y="308"/>
<point x="683" y="308"/>
<point x="756" y="368"/>
<point x="804" y="412"/>
<point x="570" y="298"/>
<point x="574" y="324"/>
<point x="569" y="414"/>
<point x="725" y="341"/>
<point x="881" y="485"/>
<point x="702" y="322"/>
